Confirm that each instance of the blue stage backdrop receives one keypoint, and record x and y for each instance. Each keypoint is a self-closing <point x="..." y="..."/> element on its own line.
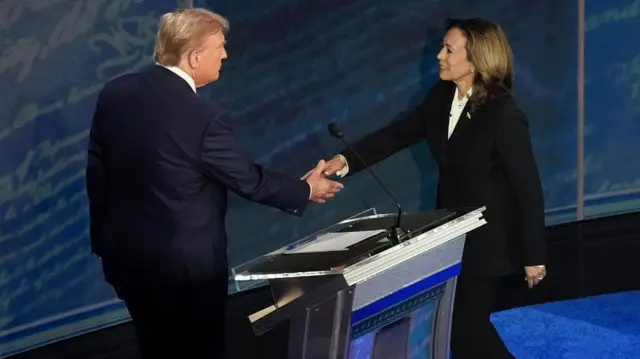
<point x="297" y="65"/>
<point x="612" y="107"/>
<point x="293" y="67"/>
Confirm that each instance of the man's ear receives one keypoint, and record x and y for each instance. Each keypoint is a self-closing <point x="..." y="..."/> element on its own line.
<point x="193" y="59"/>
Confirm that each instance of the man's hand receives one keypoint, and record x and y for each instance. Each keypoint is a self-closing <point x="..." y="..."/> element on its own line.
<point x="321" y="188"/>
<point x="534" y="274"/>
<point x="332" y="166"/>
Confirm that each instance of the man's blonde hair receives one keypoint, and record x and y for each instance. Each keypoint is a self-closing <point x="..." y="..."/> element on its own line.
<point x="185" y="30"/>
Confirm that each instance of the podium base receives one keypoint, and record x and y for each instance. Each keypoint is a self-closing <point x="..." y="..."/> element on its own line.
<point x="322" y="330"/>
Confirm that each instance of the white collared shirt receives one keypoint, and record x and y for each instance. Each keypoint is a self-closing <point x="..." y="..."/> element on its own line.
<point x="457" y="105"/>
<point x="185" y="76"/>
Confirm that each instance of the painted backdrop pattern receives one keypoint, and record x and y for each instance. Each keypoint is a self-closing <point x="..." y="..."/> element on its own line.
<point x="293" y="67"/>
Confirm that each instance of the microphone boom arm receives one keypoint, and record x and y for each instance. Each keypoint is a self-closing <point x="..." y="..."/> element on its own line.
<point x="397" y="234"/>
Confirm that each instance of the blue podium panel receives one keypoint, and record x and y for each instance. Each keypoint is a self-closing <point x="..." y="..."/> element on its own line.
<point x="412" y="323"/>
<point x="397" y="311"/>
<point x="411" y="337"/>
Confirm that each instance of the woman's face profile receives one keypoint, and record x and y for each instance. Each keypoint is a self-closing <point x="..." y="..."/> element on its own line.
<point x="454" y="64"/>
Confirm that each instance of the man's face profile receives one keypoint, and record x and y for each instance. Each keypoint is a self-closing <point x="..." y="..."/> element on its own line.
<point x="208" y="60"/>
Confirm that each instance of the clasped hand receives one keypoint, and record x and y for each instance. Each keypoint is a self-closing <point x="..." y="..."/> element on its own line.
<point x="331" y="167"/>
<point x="321" y="188"/>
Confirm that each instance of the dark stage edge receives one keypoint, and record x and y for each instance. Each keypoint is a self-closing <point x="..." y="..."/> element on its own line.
<point x="585" y="259"/>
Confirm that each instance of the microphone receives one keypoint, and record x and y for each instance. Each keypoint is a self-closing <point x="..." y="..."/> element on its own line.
<point x="397" y="234"/>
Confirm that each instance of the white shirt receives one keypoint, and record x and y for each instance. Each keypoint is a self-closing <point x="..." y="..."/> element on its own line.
<point x="457" y="105"/>
<point x="185" y="76"/>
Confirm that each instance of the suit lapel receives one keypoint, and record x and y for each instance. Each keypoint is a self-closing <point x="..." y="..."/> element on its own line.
<point x="443" y="128"/>
<point x="463" y="125"/>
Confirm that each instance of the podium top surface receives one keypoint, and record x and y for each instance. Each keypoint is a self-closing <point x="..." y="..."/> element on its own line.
<point x="340" y="246"/>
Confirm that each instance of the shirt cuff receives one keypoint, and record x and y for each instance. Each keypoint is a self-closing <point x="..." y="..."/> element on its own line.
<point x="345" y="170"/>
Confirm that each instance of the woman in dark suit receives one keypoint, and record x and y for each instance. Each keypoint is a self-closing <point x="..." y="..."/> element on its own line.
<point x="480" y="140"/>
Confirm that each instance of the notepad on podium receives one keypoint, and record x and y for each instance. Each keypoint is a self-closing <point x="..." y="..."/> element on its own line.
<point x="350" y="288"/>
<point x="330" y="242"/>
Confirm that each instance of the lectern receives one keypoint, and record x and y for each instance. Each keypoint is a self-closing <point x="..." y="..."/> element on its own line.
<point x="348" y="291"/>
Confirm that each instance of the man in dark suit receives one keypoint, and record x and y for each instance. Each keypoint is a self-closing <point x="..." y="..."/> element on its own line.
<point x="161" y="161"/>
<point x="480" y="140"/>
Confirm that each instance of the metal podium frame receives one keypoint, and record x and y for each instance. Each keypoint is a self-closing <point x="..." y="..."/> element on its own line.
<point x="326" y="308"/>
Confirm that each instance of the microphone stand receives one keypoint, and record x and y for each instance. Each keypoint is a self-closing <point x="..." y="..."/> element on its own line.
<point x="398" y="235"/>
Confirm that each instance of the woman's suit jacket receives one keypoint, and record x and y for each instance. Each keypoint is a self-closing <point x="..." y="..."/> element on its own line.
<point x="487" y="161"/>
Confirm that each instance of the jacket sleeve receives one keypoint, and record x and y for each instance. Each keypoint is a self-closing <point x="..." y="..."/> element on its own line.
<point x="224" y="162"/>
<point x="394" y="137"/>
<point x="516" y="155"/>
<point x="96" y="181"/>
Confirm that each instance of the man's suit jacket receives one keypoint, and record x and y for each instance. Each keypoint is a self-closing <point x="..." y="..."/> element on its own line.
<point x="487" y="161"/>
<point x="161" y="161"/>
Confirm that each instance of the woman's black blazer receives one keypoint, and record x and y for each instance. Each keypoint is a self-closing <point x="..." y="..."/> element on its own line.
<point x="487" y="161"/>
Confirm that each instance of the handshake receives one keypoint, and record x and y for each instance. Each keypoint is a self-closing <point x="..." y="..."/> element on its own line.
<point x="322" y="188"/>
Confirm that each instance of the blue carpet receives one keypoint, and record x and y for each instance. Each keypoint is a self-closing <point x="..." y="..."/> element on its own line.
<point x="602" y="327"/>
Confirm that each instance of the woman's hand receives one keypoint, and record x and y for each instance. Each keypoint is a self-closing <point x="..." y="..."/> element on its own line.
<point x="534" y="274"/>
<point x="336" y="164"/>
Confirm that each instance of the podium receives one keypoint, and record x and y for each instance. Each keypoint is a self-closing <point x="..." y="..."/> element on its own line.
<point x="349" y="292"/>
